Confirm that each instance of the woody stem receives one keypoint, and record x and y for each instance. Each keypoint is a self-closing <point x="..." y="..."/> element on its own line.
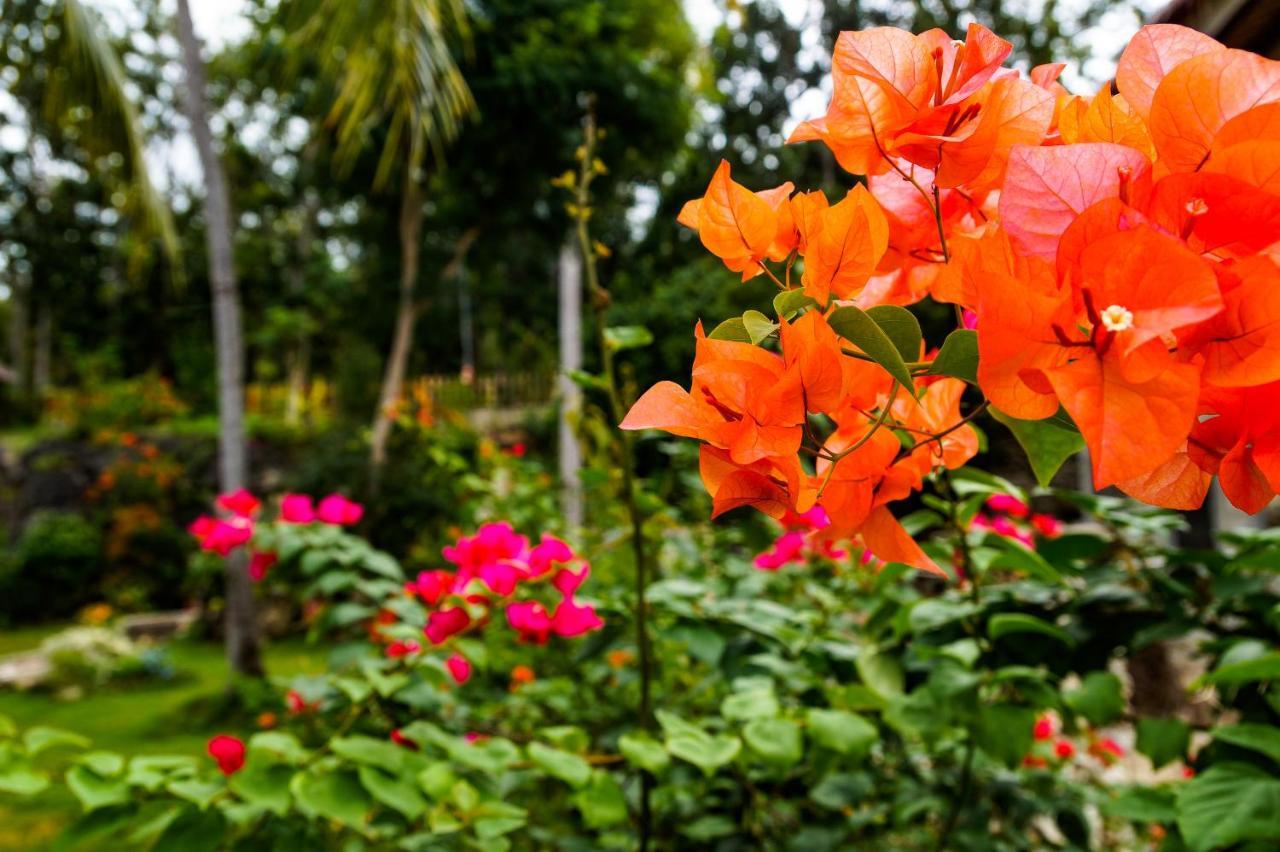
<point x="600" y="304"/>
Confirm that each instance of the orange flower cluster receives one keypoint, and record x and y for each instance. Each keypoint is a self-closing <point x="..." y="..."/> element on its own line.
<point x="1115" y="253"/>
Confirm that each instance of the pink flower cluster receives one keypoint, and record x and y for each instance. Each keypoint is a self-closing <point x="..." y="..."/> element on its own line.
<point x="800" y="540"/>
<point x="491" y="567"/>
<point x="1009" y="517"/>
<point x="234" y="528"/>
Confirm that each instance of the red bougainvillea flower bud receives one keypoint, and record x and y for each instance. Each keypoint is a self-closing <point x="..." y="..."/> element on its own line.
<point x="297" y="509"/>
<point x="260" y="564"/>
<point x="1008" y="504"/>
<point x="403" y="741"/>
<point x="444" y="623"/>
<point x="459" y="668"/>
<point x="531" y="620"/>
<point x="521" y="675"/>
<point x="1106" y="749"/>
<point x="573" y="619"/>
<point x="1034" y="761"/>
<point x="228" y="751"/>
<point x="1064" y="749"/>
<point x="339" y="511"/>
<point x="297" y="704"/>
<point x="787" y="549"/>
<point x="1047" y="525"/>
<point x="240" y="503"/>
<point x="434" y="585"/>
<point x="1044" y="728"/>
<point x="398" y="650"/>
<point x="219" y="536"/>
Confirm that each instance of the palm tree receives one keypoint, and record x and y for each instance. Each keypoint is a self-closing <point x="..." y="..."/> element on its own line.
<point x="392" y="69"/>
<point x="243" y="650"/>
<point x="89" y="80"/>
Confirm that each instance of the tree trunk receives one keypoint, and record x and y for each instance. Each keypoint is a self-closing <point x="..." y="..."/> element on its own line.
<point x="299" y="360"/>
<point x="42" y="362"/>
<point x="398" y="360"/>
<point x="243" y="652"/>
<point x="18" y="335"/>
<point x="569" y="273"/>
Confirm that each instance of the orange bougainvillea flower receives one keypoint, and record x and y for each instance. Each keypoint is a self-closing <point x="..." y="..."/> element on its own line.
<point x="843" y="243"/>
<point x="739" y="226"/>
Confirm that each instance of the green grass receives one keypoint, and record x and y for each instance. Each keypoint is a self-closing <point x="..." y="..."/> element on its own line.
<point x="151" y="718"/>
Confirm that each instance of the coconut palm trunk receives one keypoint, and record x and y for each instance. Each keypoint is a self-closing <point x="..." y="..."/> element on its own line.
<point x="243" y="652"/>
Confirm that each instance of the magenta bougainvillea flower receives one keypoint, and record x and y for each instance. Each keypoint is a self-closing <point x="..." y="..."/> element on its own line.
<point x="445" y="623"/>
<point x="240" y="503"/>
<point x="260" y="563"/>
<point x="297" y="509"/>
<point x="338" y="510"/>
<point x="221" y="536"/>
<point x="459" y="668"/>
<point x="228" y="751"/>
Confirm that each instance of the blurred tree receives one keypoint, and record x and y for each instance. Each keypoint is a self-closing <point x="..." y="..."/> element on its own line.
<point x="392" y="68"/>
<point x="243" y="652"/>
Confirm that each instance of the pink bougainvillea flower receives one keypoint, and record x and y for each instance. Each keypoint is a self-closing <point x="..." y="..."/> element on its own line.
<point x="339" y="511"/>
<point x="574" y="619"/>
<point x="501" y="577"/>
<point x="295" y="702"/>
<point x="496" y="542"/>
<point x="446" y="622"/>
<point x="1106" y="749"/>
<point x="531" y="620"/>
<point x="219" y="536"/>
<point x="432" y="586"/>
<point x="297" y="509"/>
<point x="970" y="319"/>
<point x="546" y="553"/>
<point x="403" y="741"/>
<point x="398" y="650"/>
<point x="1008" y="504"/>
<point x="474" y="737"/>
<point x="260" y="563"/>
<point x="228" y="751"/>
<point x="459" y="668"/>
<point x="1064" y="749"/>
<point x="567" y="580"/>
<point x="787" y="549"/>
<point x="240" y="503"/>
<point x="1047" y="525"/>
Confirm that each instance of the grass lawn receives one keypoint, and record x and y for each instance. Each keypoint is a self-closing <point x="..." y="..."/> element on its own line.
<point x="140" y="719"/>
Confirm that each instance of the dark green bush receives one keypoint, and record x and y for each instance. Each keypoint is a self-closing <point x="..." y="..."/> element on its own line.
<point x="55" y="568"/>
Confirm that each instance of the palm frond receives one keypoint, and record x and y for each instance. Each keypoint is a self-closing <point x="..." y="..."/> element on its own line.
<point x="392" y="66"/>
<point x="93" y="78"/>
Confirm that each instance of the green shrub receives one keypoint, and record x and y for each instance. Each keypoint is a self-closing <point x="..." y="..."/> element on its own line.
<point x="55" y="569"/>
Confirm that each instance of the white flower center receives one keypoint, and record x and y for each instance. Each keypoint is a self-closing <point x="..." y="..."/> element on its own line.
<point x="1117" y="318"/>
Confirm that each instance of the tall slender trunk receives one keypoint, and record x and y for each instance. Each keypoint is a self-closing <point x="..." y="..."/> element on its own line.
<point x="18" y="335"/>
<point x="41" y="363"/>
<point x="299" y="358"/>
<point x="569" y="275"/>
<point x="243" y="651"/>
<point x="398" y="359"/>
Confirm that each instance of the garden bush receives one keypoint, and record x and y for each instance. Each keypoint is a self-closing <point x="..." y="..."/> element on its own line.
<point x="59" y="550"/>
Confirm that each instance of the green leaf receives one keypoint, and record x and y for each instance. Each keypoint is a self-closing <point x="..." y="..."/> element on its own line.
<point x="569" y="768"/>
<point x="958" y="356"/>
<point x="332" y="795"/>
<point x="778" y="741"/>
<point x="278" y="745"/>
<point x="7" y="727"/>
<point x="196" y="791"/>
<point x="643" y="751"/>
<point x="394" y="791"/>
<point x="105" y="763"/>
<point x="1143" y="804"/>
<point x="40" y="739"/>
<point x="1012" y="623"/>
<point x="754" y="703"/>
<point x="1265" y="667"/>
<point x="1264" y="739"/>
<point x="841" y="731"/>
<point x="1045" y="442"/>
<point x="731" y="329"/>
<point x="22" y="780"/>
<point x="620" y="337"/>
<point x="902" y="328"/>
<point x="853" y="324"/>
<point x="601" y="802"/>
<point x="1163" y="740"/>
<point x="1005" y="731"/>
<point x="882" y="672"/>
<point x="1099" y="698"/>
<point x="788" y="303"/>
<point x="1229" y="803"/>
<point x="383" y="754"/>
<point x="704" y="751"/>
<point x="94" y="791"/>
<point x="264" y="785"/>
<point x="193" y="830"/>
<point x="151" y="771"/>
<point x="437" y="780"/>
<point x="758" y="326"/>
